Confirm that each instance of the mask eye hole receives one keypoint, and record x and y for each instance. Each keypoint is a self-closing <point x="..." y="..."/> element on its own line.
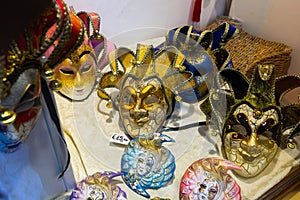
<point x="150" y="100"/>
<point x="85" y="68"/>
<point x="29" y="99"/>
<point x="241" y="130"/>
<point x="67" y="70"/>
<point x="266" y="126"/>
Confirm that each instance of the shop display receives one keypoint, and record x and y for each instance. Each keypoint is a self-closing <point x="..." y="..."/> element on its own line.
<point x="218" y="92"/>
<point x="98" y="186"/>
<point x="149" y="82"/>
<point x="146" y="164"/>
<point x="207" y="178"/>
<point x="255" y="121"/>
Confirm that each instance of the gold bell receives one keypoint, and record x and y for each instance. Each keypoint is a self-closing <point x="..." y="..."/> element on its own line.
<point x="48" y="74"/>
<point x="55" y="85"/>
<point x="7" y="116"/>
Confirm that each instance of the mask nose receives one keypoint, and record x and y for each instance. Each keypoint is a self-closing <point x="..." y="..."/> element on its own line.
<point x="138" y="112"/>
<point x="78" y="81"/>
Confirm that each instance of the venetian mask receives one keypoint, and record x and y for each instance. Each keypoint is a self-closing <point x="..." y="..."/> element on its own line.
<point x="142" y="105"/>
<point x="148" y="86"/>
<point x="203" y="53"/>
<point x="208" y="179"/>
<point x="21" y="65"/>
<point x="77" y="74"/>
<point x="144" y="160"/>
<point x="256" y="118"/>
<point x="98" y="186"/>
<point x="75" y="77"/>
<point x="25" y="101"/>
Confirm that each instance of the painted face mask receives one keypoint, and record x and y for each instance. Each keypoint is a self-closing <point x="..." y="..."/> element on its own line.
<point x="25" y="101"/>
<point x="75" y="77"/>
<point x="77" y="74"/>
<point x="208" y="179"/>
<point x="255" y="118"/>
<point x="144" y="160"/>
<point x="98" y="186"/>
<point x="21" y="67"/>
<point x="148" y="85"/>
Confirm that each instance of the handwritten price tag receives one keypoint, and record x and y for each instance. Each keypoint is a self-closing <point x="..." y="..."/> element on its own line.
<point x="119" y="139"/>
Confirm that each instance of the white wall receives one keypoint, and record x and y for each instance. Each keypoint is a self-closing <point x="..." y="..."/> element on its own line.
<point x="274" y="20"/>
<point x="126" y="15"/>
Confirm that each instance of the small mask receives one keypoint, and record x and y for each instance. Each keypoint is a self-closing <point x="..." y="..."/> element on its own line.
<point x="148" y="86"/>
<point x="208" y="179"/>
<point x="75" y="77"/>
<point x="21" y="66"/>
<point x="98" y="186"/>
<point x="77" y="74"/>
<point x="144" y="160"/>
<point x="255" y="118"/>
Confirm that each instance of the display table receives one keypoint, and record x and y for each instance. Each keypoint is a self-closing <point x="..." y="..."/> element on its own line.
<point x="88" y="126"/>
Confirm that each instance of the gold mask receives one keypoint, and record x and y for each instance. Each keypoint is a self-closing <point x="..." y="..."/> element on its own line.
<point x="148" y="85"/>
<point x="77" y="74"/>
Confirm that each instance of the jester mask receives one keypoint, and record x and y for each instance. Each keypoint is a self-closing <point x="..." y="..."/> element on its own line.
<point x="255" y="118"/>
<point x="203" y="53"/>
<point x="148" y="83"/>
<point x="21" y="66"/>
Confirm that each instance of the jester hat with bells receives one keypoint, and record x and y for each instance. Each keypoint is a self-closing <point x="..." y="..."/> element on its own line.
<point x="23" y="63"/>
<point x="149" y="81"/>
<point x="253" y="121"/>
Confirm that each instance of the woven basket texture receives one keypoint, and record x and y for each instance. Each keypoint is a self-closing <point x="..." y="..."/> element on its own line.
<point x="247" y="51"/>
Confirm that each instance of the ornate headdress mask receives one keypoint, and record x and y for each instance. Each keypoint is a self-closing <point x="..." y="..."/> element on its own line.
<point x="21" y="66"/>
<point x="148" y="84"/>
<point x="204" y="53"/>
<point x="255" y="119"/>
<point x="75" y="77"/>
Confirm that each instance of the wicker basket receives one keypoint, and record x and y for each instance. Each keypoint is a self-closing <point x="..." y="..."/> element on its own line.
<point x="247" y="51"/>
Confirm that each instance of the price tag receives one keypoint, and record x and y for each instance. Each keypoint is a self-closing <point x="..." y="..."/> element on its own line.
<point x="119" y="139"/>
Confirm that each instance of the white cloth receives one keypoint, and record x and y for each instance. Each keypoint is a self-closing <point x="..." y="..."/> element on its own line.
<point x="91" y="131"/>
<point x="32" y="171"/>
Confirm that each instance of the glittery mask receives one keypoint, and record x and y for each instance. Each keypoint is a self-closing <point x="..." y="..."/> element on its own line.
<point x="204" y="54"/>
<point x="208" y="179"/>
<point x="98" y="186"/>
<point x="148" y="84"/>
<point x="147" y="164"/>
<point x="21" y="66"/>
<point x="255" y="118"/>
<point x="75" y="77"/>
<point x="77" y="74"/>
